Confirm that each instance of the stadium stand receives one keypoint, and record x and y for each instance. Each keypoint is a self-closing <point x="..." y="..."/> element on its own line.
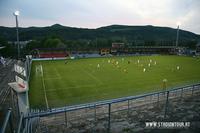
<point x="83" y="55"/>
<point x="6" y="76"/>
<point x="52" y="55"/>
<point x="49" y="53"/>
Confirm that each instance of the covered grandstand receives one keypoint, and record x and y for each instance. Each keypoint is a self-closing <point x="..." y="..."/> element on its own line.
<point x="144" y="50"/>
<point x="49" y="53"/>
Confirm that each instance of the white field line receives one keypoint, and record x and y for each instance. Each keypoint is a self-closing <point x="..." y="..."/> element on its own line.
<point x="52" y="78"/>
<point x="92" y="76"/>
<point x="57" y="76"/>
<point x="51" y="90"/>
<point x="44" y="88"/>
<point x="57" y="73"/>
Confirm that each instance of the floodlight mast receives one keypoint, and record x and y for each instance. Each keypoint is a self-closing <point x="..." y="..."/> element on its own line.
<point x="177" y="34"/>
<point x="16" y="14"/>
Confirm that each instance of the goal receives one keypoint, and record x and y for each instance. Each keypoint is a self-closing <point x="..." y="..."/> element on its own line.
<point x="39" y="70"/>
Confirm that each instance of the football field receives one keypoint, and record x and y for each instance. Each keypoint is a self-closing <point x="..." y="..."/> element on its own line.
<point x="66" y="82"/>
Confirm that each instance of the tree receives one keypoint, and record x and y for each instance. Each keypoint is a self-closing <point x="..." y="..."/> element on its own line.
<point x="52" y="43"/>
<point x="9" y="50"/>
<point x="192" y="44"/>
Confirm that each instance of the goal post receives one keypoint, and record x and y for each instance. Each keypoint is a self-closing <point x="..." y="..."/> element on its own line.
<point x="39" y="70"/>
<point x="39" y="73"/>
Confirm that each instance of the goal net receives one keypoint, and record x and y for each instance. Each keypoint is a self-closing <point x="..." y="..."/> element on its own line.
<point x="39" y="70"/>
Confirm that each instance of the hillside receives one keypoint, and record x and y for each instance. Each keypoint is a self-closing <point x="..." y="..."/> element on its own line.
<point x="113" y="32"/>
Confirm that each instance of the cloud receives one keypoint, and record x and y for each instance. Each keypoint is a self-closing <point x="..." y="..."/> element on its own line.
<point x="96" y="13"/>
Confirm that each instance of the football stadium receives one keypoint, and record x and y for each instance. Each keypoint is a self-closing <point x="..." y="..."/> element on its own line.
<point x="113" y="66"/>
<point x="115" y="89"/>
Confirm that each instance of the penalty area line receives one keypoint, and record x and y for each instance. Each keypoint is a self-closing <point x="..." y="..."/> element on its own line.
<point x="44" y="88"/>
<point x="93" y="77"/>
<point x="56" y="78"/>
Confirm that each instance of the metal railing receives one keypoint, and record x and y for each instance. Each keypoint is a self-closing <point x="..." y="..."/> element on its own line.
<point x="105" y="109"/>
<point x="96" y="111"/>
<point x="158" y="94"/>
<point x="7" y="124"/>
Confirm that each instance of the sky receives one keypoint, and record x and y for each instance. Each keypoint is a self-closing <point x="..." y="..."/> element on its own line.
<point x="98" y="13"/>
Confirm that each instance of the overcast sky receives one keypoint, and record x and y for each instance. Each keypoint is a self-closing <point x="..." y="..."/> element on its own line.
<point x="97" y="13"/>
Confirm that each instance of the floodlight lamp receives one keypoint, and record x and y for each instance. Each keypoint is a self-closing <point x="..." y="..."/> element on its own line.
<point x="178" y="23"/>
<point x="16" y="13"/>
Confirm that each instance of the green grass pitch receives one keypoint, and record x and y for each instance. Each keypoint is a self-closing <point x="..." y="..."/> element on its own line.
<point x="88" y="80"/>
